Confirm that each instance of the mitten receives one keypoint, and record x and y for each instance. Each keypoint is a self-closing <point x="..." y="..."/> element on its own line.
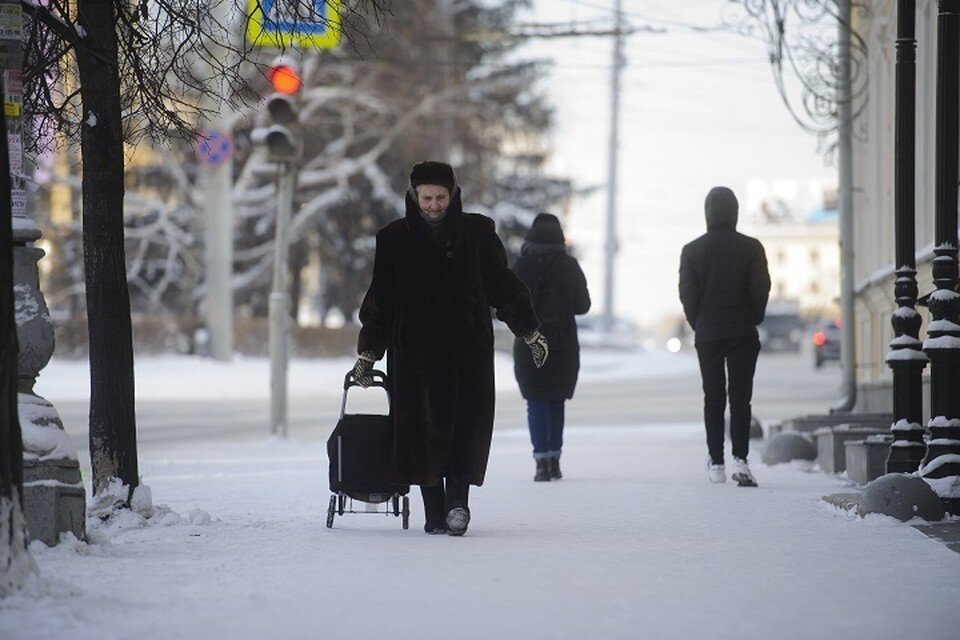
<point x="538" y="347"/>
<point x="361" y="370"/>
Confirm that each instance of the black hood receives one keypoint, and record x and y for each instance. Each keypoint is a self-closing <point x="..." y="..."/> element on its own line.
<point x="721" y="209"/>
<point x="545" y="229"/>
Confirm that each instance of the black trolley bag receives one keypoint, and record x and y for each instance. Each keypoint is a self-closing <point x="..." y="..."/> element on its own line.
<point x="359" y="453"/>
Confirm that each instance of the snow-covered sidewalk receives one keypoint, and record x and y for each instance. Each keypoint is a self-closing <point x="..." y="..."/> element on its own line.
<point x="632" y="543"/>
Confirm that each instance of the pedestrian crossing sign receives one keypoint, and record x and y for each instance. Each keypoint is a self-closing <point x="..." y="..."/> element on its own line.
<point x="312" y="24"/>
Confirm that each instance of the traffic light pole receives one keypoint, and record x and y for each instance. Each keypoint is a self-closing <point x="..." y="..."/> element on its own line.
<point x="279" y="302"/>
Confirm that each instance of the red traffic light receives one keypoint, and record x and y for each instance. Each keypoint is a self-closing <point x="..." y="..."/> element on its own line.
<point x="284" y="79"/>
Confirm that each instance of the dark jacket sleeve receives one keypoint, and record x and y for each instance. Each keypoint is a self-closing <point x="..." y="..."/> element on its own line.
<point x="504" y="290"/>
<point x="581" y="301"/>
<point x="759" y="284"/>
<point x="689" y="287"/>
<point x="377" y="309"/>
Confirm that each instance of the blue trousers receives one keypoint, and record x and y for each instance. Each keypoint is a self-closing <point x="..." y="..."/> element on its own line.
<point x="545" y="418"/>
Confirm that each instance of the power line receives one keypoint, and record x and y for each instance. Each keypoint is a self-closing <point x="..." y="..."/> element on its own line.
<point x="634" y="14"/>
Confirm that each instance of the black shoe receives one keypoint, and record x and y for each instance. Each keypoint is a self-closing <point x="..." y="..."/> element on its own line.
<point x="554" y="465"/>
<point x="435" y="528"/>
<point x="457" y="521"/>
<point x="543" y="470"/>
<point x="433" y="509"/>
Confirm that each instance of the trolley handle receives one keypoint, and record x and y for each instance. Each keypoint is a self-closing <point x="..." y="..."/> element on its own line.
<point x="379" y="380"/>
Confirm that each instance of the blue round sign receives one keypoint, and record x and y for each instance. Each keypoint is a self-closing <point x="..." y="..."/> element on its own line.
<point x="214" y="147"/>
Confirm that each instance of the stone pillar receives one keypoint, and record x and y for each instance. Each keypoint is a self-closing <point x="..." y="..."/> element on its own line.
<point x="941" y="466"/>
<point x="906" y="356"/>
<point x="53" y="495"/>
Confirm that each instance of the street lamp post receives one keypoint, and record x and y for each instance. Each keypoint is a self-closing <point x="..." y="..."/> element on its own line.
<point x="941" y="466"/>
<point x="906" y="356"/>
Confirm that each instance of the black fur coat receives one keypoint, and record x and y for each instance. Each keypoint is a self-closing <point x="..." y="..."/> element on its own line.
<point x="428" y="308"/>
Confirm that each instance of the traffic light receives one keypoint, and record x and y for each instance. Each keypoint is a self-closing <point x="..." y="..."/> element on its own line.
<point x="279" y="130"/>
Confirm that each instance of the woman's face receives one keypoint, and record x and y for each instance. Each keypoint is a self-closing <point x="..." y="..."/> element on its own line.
<point x="433" y="200"/>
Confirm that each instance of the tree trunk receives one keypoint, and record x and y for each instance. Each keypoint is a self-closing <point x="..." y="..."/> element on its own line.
<point x="113" y="433"/>
<point x="14" y="557"/>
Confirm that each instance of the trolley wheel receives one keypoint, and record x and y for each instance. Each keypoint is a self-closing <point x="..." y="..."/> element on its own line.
<point x="396" y="504"/>
<point x="341" y="503"/>
<point x="406" y="512"/>
<point x="331" y="510"/>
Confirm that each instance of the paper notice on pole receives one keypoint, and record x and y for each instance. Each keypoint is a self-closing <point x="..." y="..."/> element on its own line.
<point x="18" y="202"/>
<point x="11" y="21"/>
<point x="12" y="93"/>
<point x="15" y="149"/>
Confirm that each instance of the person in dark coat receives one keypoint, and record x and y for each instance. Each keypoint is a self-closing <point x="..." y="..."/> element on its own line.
<point x="436" y="273"/>
<point x="724" y="286"/>
<point x="559" y="291"/>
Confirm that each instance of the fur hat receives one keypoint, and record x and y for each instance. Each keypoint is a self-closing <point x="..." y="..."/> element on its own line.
<point x="432" y="172"/>
<point x="545" y="228"/>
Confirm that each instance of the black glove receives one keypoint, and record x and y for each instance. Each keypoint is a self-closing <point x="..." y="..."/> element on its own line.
<point x="361" y="370"/>
<point x="538" y="347"/>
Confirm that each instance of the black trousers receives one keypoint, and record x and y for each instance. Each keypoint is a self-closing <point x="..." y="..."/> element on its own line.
<point x="733" y="360"/>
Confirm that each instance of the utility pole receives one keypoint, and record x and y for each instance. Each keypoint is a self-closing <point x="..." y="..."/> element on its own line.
<point x="848" y="358"/>
<point x="611" y="246"/>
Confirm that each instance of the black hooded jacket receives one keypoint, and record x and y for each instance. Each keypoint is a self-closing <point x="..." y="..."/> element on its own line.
<point x="724" y="282"/>
<point x="559" y="291"/>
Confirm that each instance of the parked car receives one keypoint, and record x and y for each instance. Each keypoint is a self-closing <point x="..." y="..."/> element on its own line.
<point x="782" y="328"/>
<point x="826" y="343"/>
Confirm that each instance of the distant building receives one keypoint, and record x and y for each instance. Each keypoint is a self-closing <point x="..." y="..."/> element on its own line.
<point x="803" y="258"/>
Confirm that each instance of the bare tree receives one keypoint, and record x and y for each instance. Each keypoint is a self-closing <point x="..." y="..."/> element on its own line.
<point x="804" y="51"/>
<point x="365" y="116"/>
<point x="113" y="72"/>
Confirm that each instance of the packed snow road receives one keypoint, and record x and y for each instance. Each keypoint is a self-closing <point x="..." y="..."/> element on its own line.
<point x="188" y="399"/>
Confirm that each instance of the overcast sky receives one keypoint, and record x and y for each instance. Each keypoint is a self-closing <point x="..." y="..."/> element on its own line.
<point x="697" y="110"/>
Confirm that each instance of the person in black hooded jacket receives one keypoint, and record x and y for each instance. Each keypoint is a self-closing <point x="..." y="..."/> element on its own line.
<point x="724" y="286"/>
<point x="436" y="273"/>
<point x="559" y="291"/>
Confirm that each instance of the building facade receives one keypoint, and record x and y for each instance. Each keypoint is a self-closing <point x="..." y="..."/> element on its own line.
<point x="873" y="169"/>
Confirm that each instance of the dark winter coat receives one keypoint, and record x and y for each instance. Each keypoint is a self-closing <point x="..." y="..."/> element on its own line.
<point x="428" y="307"/>
<point x="724" y="282"/>
<point x="559" y="291"/>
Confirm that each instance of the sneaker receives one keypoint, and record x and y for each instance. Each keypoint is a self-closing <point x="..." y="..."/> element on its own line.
<point x="716" y="472"/>
<point x="741" y="473"/>
<point x="457" y="520"/>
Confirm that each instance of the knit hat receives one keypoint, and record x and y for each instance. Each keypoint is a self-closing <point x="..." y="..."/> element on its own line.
<point x="432" y="172"/>
<point x="545" y="228"/>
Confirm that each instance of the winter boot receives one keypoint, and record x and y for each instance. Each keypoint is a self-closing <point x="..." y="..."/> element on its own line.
<point x="457" y="520"/>
<point x="543" y="470"/>
<point x="433" y="509"/>
<point x="741" y="473"/>
<point x="554" y="466"/>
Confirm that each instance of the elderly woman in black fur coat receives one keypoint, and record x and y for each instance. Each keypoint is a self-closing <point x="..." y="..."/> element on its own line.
<point x="437" y="272"/>
<point x="559" y="291"/>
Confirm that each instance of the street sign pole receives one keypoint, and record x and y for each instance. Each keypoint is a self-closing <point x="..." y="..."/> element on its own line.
<point x="279" y="303"/>
<point x="219" y="259"/>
